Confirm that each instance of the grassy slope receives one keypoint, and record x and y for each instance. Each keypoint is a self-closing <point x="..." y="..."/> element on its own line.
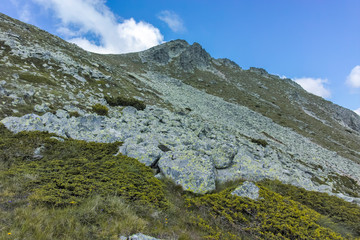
<point x="79" y="190"/>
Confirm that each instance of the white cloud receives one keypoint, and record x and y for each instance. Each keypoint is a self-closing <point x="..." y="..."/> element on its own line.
<point x="353" y="79"/>
<point x="357" y="111"/>
<point x="23" y="10"/>
<point x="315" y="86"/>
<point x="82" y="18"/>
<point x="174" y="22"/>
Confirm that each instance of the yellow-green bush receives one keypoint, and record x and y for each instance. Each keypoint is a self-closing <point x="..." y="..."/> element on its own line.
<point x="100" y="109"/>
<point x="271" y="217"/>
<point x="96" y="218"/>
<point x="35" y="78"/>
<point x="124" y="101"/>
<point x="73" y="170"/>
<point x="74" y="114"/>
<point x="260" y="142"/>
<point x="339" y="211"/>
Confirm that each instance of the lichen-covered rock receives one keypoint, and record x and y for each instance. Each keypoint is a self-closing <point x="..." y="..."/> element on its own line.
<point x="138" y="236"/>
<point x="223" y="155"/>
<point x="41" y="108"/>
<point x="247" y="189"/>
<point x="194" y="172"/>
<point x="143" y="148"/>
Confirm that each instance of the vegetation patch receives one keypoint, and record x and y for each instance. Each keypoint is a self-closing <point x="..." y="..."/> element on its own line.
<point x="74" y="114"/>
<point x="271" y="217"/>
<point x="260" y="142"/>
<point x="73" y="170"/>
<point x="346" y="215"/>
<point x="100" y="109"/>
<point x="38" y="79"/>
<point x="124" y="101"/>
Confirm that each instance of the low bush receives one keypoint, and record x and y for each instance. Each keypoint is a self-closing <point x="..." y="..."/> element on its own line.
<point x="260" y="142"/>
<point x="124" y="101"/>
<point x="35" y="78"/>
<point x="338" y="210"/>
<point x="74" y="114"/>
<point x="100" y="109"/>
<point x="270" y="217"/>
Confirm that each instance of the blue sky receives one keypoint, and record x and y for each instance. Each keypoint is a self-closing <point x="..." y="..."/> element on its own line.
<point x="314" y="42"/>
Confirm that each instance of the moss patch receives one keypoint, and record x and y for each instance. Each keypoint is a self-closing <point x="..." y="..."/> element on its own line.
<point x="124" y="101"/>
<point x="38" y="79"/>
<point x="100" y="109"/>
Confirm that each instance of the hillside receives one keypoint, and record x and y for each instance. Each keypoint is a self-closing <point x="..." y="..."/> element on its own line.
<point x="169" y="131"/>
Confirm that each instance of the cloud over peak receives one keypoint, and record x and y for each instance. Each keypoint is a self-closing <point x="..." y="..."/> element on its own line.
<point x="173" y="20"/>
<point x="353" y="79"/>
<point x="80" y="18"/>
<point x="315" y="86"/>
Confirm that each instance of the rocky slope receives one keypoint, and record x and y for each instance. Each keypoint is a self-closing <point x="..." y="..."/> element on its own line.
<point x="207" y="120"/>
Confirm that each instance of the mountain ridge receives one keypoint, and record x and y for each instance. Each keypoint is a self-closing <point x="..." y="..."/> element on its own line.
<point x="198" y="121"/>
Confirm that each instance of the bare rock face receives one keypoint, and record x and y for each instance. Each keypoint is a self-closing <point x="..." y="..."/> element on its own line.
<point x="194" y="57"/>
<point x="185" y="57"/>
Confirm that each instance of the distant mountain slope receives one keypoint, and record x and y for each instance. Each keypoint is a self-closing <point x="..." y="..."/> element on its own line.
<point x="218" y="121"/>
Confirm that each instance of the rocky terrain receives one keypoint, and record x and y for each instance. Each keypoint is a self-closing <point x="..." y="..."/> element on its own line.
<point x="206" y="122"/>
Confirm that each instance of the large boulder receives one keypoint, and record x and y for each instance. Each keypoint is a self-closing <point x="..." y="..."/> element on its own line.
<point x="194" y="172"/>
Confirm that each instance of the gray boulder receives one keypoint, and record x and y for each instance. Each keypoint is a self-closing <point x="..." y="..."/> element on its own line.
<point x="138" y="236"/>
<point x="41" y="108"/>
<point x="247" y="189"/>
<point x="194" y="172"/>
<point x="223" y="155"/>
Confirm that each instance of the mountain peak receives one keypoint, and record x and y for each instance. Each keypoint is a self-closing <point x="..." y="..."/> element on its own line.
<point x="185" y="55"/>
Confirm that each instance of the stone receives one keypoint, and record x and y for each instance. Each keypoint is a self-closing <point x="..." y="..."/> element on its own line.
<point x="194" y="172"/>
<point x="146" y="152"/>
<point x="41" y="108"/>
<point x="138" y="236"/>
<point x="62" y="113"/>
<point x="129" y="110"/>
<point x="37" y="152"/>
<point x="247" y="189"/>
<point x="223" y="155"/>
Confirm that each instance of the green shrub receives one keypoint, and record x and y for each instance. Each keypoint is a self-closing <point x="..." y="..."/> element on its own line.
<point x="74" y="170"/>
<point x="96" y="218"/>
<point x="260" y="142"/>
<point x="100" y="109"/>
<point x="35" y="78"/>
<point x="124" y="101"/>
<point x="74" y="114"/>
<point x="270" y="217"/>
<point x="338" y="210"/>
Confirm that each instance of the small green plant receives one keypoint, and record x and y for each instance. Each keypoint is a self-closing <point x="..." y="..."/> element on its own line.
<point x="74" y="114"/>
<point x="100" y="109"/>
<point x="260" y="142"/>
<point x="35" y="78"/>
<point x="124" y="101"/>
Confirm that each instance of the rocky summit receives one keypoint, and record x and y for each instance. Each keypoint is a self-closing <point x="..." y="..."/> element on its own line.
<point x="204" y="121"/>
